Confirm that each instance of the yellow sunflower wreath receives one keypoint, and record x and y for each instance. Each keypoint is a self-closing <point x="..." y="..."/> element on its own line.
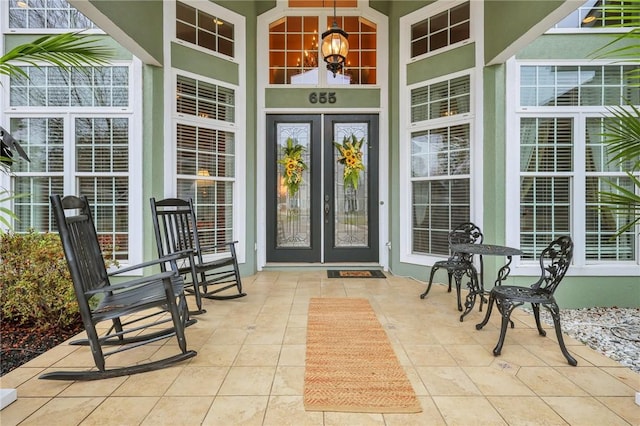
<point x="351" y="157"/>
<point x="293" y="166"/>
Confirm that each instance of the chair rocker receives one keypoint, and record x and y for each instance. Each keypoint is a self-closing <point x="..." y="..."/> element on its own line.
<point x="176" y="231"/>
<point x="458" y="264"/>
<point x="554" y="263"/>
<point x="141" y="311"/>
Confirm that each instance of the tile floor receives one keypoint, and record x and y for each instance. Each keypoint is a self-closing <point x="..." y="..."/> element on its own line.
<point x="250" y="367"/>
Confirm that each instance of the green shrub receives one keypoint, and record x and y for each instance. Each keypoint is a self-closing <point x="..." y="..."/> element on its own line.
<point x="35" y="285"/>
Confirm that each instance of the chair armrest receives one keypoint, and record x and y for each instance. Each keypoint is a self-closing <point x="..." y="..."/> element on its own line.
<point x="164" y="259"/>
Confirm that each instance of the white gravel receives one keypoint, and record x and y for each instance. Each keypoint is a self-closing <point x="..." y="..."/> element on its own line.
<point x="614" y="332"/>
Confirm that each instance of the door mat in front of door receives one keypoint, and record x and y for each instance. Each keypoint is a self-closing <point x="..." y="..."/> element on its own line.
<point x="370" y="273"/>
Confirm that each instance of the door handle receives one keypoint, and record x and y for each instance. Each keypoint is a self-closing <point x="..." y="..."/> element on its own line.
<point x="327" y="208"/>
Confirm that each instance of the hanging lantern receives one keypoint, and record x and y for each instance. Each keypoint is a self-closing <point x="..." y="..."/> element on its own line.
<point x="335" y="46"/>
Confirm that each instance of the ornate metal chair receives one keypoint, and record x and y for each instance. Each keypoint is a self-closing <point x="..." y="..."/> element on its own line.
<point x="208" y="270"/>
<point x="160" y="296"/>
<point x="554" y="263"/>
<point x="458" y="264"/>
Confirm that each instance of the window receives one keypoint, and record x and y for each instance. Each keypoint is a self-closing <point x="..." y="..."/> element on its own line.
<point x="46" y="14"/>
<point x="83" y="148"/>
<point x="594" y="14"/>
<point x="78" y="87"/>
<point x="564" y="163"/>
<point x="205" y="30"/>
<point x="440" y="163"/>
<point x="206" y="155"/>
<point x="441" y="30"/>
<point x="294" y="51"/>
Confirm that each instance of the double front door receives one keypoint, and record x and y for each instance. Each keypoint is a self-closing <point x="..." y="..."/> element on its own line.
<point x="322" y="199"/>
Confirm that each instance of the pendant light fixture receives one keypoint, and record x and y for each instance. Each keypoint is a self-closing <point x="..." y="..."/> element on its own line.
<point x="335" y="45"/>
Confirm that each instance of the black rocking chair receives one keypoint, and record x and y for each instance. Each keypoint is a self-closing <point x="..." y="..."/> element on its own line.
<point x="554" y="263"/>
<point x="176" y="231"/>
<point x="160" y="296"/>
<point x="458" y="264"/>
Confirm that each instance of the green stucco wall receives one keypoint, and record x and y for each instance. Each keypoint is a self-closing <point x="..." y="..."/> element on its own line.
<point x="299" y="98"/>
<point x="198" y="62"/>
<point x="506" y="20"/>
<point x="445" y="63"/>
<point x="139" y="19"/>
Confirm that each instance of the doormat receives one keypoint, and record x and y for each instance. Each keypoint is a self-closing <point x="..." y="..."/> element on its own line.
<point x="370" y="273"/>
<point x="350" y="365"/>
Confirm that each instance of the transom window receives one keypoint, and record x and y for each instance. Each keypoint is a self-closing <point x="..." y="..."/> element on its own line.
<point x="86" y="87"/>
<point x="294" y="51"/>
<point x="441" y="30"/>
<point x="205" y="30"/>
<point x="594" y="14"/>
<point x="46" y="14"/>
<point x="589" y="85"/>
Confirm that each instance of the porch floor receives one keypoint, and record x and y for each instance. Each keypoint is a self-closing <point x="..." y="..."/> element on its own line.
<point x="250" y="367"/>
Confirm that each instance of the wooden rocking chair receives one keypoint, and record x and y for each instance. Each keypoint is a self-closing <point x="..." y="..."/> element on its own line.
<point x="209" y="271"/>
<point x="160" y="296"/>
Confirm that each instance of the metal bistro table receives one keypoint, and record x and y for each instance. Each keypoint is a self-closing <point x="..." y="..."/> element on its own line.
<point x="476" y="285"/>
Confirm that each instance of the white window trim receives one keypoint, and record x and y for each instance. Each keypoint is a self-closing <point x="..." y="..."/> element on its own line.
<point x="133" y="112"/>
<point x="282" y="10"/>
<point x="262" y="83"/>
<point x="474" y="118"/>
<point x="170" y="115"/>
<point x="217" y="11"/>
<point x="4" y="25"/>
<point x="512" y="186"/>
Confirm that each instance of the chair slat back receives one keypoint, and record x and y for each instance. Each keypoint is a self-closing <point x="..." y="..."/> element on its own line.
<point x="81" y="246"/>
<point x="555" y="260"/>
<point x="174" y="226"/>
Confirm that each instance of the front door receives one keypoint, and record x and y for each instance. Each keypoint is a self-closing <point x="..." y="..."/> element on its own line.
<point x="322" y="200"/>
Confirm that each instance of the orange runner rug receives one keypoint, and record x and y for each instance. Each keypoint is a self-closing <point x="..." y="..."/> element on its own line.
<point x="350" y="364"/>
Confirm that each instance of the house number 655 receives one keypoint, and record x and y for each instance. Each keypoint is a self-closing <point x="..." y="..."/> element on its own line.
<point x="322" y="97"/>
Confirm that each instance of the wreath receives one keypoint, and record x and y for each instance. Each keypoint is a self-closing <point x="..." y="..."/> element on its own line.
<point x="351" y="157"/>
<point x="293" y="166"/>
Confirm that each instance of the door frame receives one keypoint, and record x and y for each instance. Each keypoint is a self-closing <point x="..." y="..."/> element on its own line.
<point x="384" y="244"/>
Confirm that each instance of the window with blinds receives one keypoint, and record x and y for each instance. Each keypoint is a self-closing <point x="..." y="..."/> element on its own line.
<point x="546" y="178"/>
<point x="564" y="162"/>
<point x="48" y="86"/>
<point x="46" y="14"/>
<point x="205" y="30"/>
<point x="206" y="155"/>
<point x="204" y="100"/>
<point x="442" y="99"/>
<point x="441" y="30"/>
<point x="440" y="185"/>
<point x="556" y="86"/>
<point x="88" y="141"/>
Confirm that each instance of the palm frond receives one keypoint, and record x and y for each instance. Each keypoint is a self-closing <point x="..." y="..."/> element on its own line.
<point x="62" y="50"/>
<point x="622" y="136"/>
